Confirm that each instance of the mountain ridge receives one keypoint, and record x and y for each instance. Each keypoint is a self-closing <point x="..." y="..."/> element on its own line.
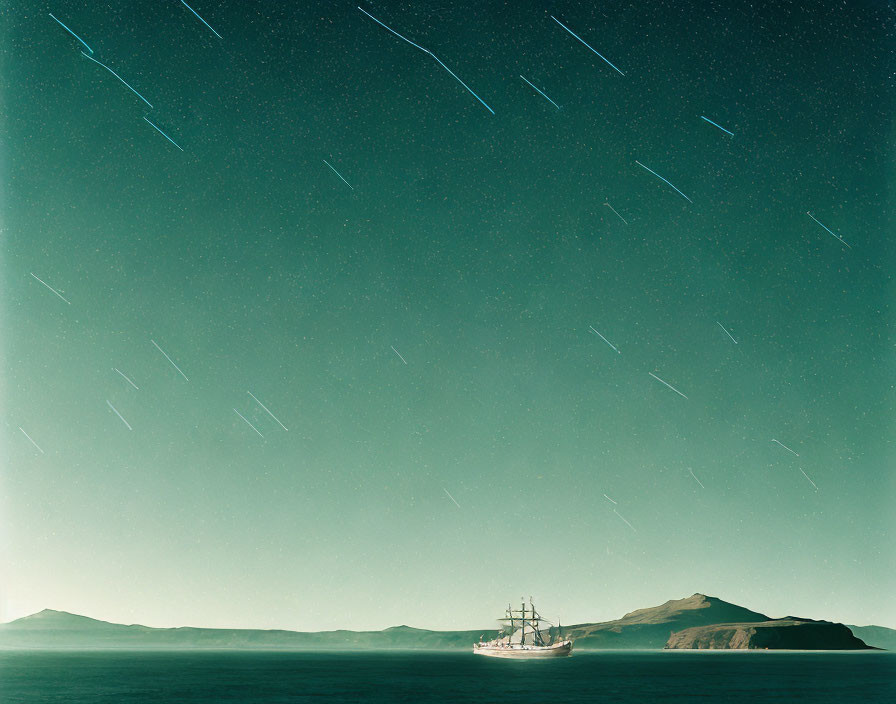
<point x="647" y="628"/>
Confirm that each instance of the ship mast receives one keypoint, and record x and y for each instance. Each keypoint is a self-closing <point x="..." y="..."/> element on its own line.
<point x="528" y="621"/>
<point x="543" y="643"/>
<point x="536" y="621"/>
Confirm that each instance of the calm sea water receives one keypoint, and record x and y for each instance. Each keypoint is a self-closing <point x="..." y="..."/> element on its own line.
<point x="76" y="677"/>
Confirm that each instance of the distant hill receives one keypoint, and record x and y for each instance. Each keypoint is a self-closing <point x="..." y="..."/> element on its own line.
<point x="648" y="629"/>
<point x="780" y="634"/>
<point x="59" y="629"/>
<point x="876" y="636"/>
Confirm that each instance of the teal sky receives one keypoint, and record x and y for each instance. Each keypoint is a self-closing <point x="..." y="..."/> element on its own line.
<point x="478" y="246"/>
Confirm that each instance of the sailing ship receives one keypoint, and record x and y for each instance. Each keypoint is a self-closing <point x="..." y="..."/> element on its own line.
<point x="524" y="637"/>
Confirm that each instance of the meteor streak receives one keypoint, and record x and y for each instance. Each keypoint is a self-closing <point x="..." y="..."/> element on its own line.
<point x="427" y="51"/>
<point x="623" y="519"/>
<point x="158" y="129"/>
<point x="126" y="379"/>
<point x="810" y="481"/>
<point x="605" y="339"/>
<point x="662" y="179"/>
<point x="200" y="19"/>
<point x="398" y="353"/>
<point x="614" y="210"/>
<point x="826" y="228"/>
<point x="667" y="384"/>
<point x="695" y="478"/>
<point x="247" y="422"/>
<point x="29" y="437"/>
<point x="169" y="359"/>
<point x="715" y="125"/>
<point x="71" y="32"/>
<point x="726" y="332"/>
<point x="130" y="87"/>
<point x="786" y="448"/>
<point x="450" y="497"/>
<point x="119" y="415"/>
<point x="266" y="408"/>
<point x="586" y="44"/>
<point x="539" y="92"/>
<point x="338" y="174"/>
<point x="52" y="289"/>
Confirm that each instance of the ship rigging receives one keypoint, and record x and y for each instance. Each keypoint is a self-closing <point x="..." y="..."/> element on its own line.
<point x="524" y="637"/>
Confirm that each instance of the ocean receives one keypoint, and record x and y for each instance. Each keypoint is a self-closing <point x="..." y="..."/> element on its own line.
<point x="606" y="676"/>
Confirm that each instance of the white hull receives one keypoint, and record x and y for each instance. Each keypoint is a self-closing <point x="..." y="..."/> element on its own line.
<point x="521" y="652"/>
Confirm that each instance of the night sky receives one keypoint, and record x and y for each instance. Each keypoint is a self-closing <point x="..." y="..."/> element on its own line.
<point x="458" y="436"/>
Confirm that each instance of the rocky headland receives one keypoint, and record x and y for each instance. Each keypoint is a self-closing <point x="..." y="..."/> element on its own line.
<point x="779" y="634"/>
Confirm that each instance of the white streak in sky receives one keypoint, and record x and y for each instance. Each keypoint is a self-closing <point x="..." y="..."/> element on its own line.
<point x="126" y="379"/>
<point x="726" y="332"/>
<point x="158" y="129"/>
<point x="247" y="422"/>
<point x="663" y="179"/>
<point x="32" y="441"/>
<point x="667" y="384"/>
<point x="52" y="289"/>
<point x="266" y="408"/>
<point x="695" y="478"/>
<point x="427" y="51"/>
<point x="715" y="125"/>
<point x="450" y="496"/>
<point x="605" y="340"/>
<point x="614" y="210"/>
<point x="398" y="353"/>
<point x="71" y="32"/>
<point x="540" y="92"/>
<point x="338" y="174"/>
<point x="586" y="44"/>
<point x="200" y="19"/>
<point x="119" y="415"/>
<point x="786" y="448"/>
<point x="807" y="477"/>
<point x="128" y="85"/>
<point x="626" y="522"/>
<point x="609" y="499"/>
<point x="169" y="359"/>
<point x="826" y="228"/>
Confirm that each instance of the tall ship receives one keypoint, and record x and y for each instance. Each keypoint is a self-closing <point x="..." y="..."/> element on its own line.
<point x="524" y="636"/>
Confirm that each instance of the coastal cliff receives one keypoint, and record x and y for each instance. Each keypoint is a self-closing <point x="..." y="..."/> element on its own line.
<point x="780" y="634"/>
